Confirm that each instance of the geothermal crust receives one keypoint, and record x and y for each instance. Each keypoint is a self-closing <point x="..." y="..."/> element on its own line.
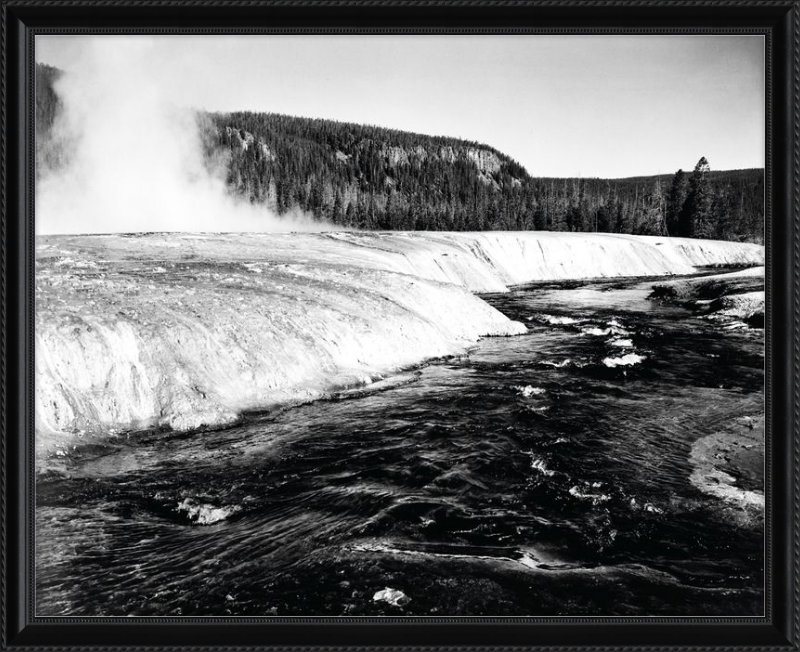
<point x="190" y="330"/>
<point x="731" y="298"/>
<point x="729" y="465"/>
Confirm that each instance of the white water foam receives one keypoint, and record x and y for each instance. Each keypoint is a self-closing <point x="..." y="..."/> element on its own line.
<point x="622" y="343"/>
<point x="594" y="330"/>
<point x="539" y="465"/>
<point x="594" y="498"/>
<point x="557" y="320"/>
<point x="627" y="360"/>
<point x="528" y="390"/>
<point x="205" y="514"/>
<point x="566" y="362"/>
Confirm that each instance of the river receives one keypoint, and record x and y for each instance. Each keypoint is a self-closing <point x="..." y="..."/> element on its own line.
<point x="539" y="475"/>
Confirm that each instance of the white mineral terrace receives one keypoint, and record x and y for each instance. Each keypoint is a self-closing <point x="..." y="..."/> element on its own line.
<point x="187" y="330"/>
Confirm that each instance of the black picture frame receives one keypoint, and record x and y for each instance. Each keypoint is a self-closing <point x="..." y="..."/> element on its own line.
<point x="21" y="20"/>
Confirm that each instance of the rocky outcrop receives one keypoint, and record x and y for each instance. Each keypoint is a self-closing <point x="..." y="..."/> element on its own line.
<point x="734" y="299"/>
<point x="244" y="140"/>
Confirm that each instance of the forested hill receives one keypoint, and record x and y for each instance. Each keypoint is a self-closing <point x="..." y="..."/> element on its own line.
<point x="377" y="178"/>
<point x="367" y="176"/>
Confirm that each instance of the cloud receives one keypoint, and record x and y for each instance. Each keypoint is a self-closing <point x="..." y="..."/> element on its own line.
<point x="134" y="159"/>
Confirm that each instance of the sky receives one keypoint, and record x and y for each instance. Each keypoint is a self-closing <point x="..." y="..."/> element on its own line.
<point x="589" y="106"/>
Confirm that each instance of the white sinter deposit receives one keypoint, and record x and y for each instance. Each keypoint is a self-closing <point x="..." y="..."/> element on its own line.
<point x="723" y="297"/>
<point x="187" y="330"/>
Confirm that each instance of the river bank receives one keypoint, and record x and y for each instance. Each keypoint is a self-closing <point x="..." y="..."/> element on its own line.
<point x="734" y="299"/>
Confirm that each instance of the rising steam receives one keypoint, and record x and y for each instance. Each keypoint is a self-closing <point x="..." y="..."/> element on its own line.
<point x="134" y="160"/>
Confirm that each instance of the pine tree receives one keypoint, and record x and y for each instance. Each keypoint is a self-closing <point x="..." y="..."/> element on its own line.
<point x="676" y="198"/>
<point x="350" y="214"/>
<point x="695" y="216"/>
<point x="337" y="215"/>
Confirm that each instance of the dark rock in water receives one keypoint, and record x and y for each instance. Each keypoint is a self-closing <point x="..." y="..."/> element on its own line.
<point x="712" y="290"/>
<point x="663" y="293"/>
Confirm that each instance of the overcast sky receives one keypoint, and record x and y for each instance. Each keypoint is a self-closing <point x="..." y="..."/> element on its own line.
<point x="591" y="106"/>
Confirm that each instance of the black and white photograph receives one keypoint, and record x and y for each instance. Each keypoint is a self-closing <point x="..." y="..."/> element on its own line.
<point x="374" y="325"/>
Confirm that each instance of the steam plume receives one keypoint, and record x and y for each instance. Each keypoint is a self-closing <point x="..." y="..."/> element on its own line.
<point x="134" y="160"/>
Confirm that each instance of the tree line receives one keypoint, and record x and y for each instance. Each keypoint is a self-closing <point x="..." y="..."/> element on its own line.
<point x="370" y="177"/>
<point x="374" y="178"/>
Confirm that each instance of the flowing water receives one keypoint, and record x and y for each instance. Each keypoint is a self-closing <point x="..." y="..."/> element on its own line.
<point x="546" y="474"/>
